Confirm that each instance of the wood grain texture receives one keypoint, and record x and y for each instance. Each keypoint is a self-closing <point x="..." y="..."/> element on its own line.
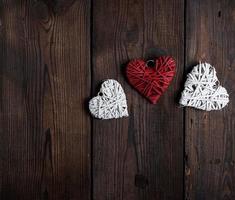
<point x="140" y="157"/>
<point x="45" y="78"/>
<point x="210" y="139"/>
<point x="49" y="146"/>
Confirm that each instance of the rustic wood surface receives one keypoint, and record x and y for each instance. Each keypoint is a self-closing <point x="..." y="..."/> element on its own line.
<point x="45" y="79"/>
<point x="54" y="55"/>
<point x="210" y="136"/>
<point x="140" y="157"/>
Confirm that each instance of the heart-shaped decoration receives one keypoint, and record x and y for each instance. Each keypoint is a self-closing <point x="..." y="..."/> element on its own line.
<point x="110" y="103"/>
<point x="202" y="89"/>
<point x="151" y="78"/>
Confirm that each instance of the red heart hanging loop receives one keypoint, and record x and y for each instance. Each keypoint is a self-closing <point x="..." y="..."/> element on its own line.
<point x="151" y="81"/>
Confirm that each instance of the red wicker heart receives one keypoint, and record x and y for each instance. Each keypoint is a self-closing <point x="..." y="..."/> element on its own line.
<point x="151" y="81"/>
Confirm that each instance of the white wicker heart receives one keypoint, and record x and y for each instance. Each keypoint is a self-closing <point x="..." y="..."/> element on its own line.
<point x="110" y="103"/>
<point x="202" y="89"/>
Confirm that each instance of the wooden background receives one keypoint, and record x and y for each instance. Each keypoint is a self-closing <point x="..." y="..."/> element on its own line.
<point x="53" y="56"/>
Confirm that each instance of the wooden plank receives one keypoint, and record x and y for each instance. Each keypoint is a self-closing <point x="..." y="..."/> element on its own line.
<point x="45" y="78"/>
<point x="140" y="157"/>
<point x="210" y="140"/>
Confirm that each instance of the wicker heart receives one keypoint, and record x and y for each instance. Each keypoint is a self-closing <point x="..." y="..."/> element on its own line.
<point x="151" y="81"/>
<point x="110" y="102"/>
<point x="202" y="89"/>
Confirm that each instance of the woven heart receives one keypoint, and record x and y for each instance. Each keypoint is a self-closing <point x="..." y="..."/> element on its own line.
<point x="110" y="102"/>
<point x="202" y="89"/>
<point x="151" y="82"/>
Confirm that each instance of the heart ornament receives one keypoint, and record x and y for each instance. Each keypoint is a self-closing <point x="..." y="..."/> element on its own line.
<point x="110" y="103"/>
<point x="151" y="78"/>
<point x="202" y="89"/>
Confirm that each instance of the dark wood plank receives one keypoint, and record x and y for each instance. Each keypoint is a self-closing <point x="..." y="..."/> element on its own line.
<point x="210" y="140"/>
<point x="45" y="78"/>
<point x="140" y="157"/>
